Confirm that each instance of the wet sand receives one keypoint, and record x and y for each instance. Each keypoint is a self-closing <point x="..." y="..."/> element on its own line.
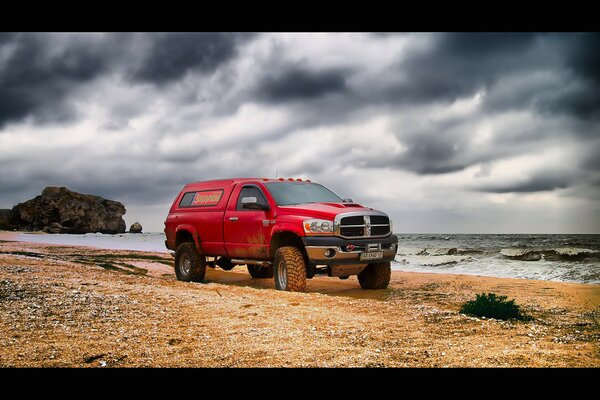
<point x="86" y="307"/>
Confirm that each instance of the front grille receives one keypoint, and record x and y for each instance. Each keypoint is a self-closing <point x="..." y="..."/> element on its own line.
<point x="357" y="220"/>
<point x="379" y="220"/>
<point x="379" y="230"/>
<point x="352" y="231"/>
<point x="355" y="226"/>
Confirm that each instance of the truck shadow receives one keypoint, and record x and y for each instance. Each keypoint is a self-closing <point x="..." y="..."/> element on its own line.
<point x="320" y="284"/>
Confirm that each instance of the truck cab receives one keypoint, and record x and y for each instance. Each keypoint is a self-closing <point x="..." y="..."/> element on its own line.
<point x="286" y="229"/>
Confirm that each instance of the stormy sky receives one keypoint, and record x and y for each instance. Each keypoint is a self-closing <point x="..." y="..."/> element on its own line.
<point x="447" y="132"/>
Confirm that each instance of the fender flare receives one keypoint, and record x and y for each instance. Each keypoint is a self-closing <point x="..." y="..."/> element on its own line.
<point x="287" y="227"/>
<point x="190" y="229"/>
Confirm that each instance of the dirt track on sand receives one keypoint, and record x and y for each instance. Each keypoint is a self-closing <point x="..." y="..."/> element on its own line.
<point x="84" y="307"/>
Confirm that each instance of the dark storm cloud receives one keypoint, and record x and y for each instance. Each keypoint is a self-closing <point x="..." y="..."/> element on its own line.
<point x="174" y="108"/>
<point x="458" y="65"/>
<point x="583" y="103"/>
<point x="538" y="183"/>
<point x="549" y="74"/>
<point x="300" y="83"/>
<point x="436" y="146"/>
<point x="41" y="73"/>
<point x="36" y="76"/>
<point x="429" y="150"/>
<point x="584" y="57"/>
<point x="172" y="55"/>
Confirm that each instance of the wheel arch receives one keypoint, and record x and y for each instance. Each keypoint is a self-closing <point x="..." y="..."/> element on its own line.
<point x="187" y="233"/>
<point x="286" y="238"/>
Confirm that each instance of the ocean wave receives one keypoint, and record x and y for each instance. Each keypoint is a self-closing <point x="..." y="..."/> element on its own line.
<point x="428" y="261"/>
<point x="437" y="251"/>
<point x="554" y="254"/>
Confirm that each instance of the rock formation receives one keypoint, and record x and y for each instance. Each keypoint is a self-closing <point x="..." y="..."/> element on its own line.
<point x="135" y="228"/>
<point x="5" y="215"/>
<point x="60" y="210"/>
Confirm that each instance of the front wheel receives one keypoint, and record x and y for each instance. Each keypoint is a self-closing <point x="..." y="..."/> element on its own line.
<point x="375" y="276"/>
<point x="190" y="266"/>
<point x="290" y="270"/>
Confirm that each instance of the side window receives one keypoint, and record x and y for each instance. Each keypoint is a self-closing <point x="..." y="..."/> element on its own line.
<point x="250" y="191"/>
<point x="186" y="200"/>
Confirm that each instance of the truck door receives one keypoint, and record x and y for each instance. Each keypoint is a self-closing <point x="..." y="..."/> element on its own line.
<point x="247" y="232"/>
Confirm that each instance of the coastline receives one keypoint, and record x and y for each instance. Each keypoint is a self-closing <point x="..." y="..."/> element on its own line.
<point x="91" y="308"/>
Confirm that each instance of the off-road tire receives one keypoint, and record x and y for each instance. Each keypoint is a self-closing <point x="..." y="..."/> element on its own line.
<point x="289" y="261"/>
<point x="194" y="272"/>
<point x="375" y="276"/>
<point x="260" y="271"/>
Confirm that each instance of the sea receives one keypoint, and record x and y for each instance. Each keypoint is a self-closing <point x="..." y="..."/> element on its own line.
<point x="564" y="258"/>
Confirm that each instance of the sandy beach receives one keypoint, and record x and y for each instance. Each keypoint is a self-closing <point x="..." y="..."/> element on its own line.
<point x="70" y="306"/>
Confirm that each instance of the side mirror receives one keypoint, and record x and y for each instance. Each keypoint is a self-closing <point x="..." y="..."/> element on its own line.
<point x="347" y="200"/>
<point x="251" y="203"/>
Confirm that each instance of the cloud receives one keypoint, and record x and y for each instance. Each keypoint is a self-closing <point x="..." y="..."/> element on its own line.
<point x="458" y="65"/>
<point x="42" y="74"/>
<point x="38" y="73"/>
<point x="171" y="55"/>
<point x="540" y="183"/>
<point x="444" y="131"/>
<point x="299" y="83"/>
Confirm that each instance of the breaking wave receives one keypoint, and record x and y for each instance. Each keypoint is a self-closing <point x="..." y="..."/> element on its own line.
<point x="437" y="251"/>
<point x="515" y="253"/>
<point x="567" y="258"/>
<point x="555" y="254"/>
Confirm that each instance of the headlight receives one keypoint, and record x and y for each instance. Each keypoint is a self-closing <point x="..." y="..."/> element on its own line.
<point x="318" y="227"/>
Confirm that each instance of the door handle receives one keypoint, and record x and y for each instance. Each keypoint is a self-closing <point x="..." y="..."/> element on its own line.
<point x="233" y="219"/>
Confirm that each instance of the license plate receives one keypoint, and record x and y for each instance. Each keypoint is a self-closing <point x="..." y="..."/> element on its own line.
<point x="372" y="255"/>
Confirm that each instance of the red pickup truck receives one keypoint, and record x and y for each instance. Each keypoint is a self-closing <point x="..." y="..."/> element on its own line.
<point x="288" y="229"/>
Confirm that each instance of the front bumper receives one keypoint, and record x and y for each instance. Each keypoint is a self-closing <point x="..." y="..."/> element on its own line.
<point x="316" y="247"/>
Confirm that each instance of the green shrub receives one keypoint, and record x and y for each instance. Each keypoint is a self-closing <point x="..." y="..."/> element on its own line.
<point x="492" y="306"/>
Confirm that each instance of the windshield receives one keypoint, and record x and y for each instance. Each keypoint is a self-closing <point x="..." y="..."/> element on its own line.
<point x="290" y="193"/>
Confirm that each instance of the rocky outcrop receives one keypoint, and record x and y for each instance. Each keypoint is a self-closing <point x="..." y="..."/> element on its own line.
<point x="136" y="227"/>
<point x="60" y="210"/>
<point x="5" y="216"/>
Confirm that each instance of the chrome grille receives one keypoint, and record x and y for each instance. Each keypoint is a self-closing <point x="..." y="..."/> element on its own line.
<point x="358" y="225"/>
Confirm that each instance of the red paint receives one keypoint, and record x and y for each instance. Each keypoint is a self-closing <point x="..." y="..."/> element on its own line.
<point x="220" y="229"/>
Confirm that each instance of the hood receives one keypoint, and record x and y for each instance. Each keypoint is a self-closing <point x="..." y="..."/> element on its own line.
<point x="322" y="210"/>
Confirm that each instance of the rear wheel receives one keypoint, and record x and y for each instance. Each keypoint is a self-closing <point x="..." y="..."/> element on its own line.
<point x="260" y="271"/>
<point x="289" y="269"/>
<point x="190" y="266"/>
<point x="375" y="276"/>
